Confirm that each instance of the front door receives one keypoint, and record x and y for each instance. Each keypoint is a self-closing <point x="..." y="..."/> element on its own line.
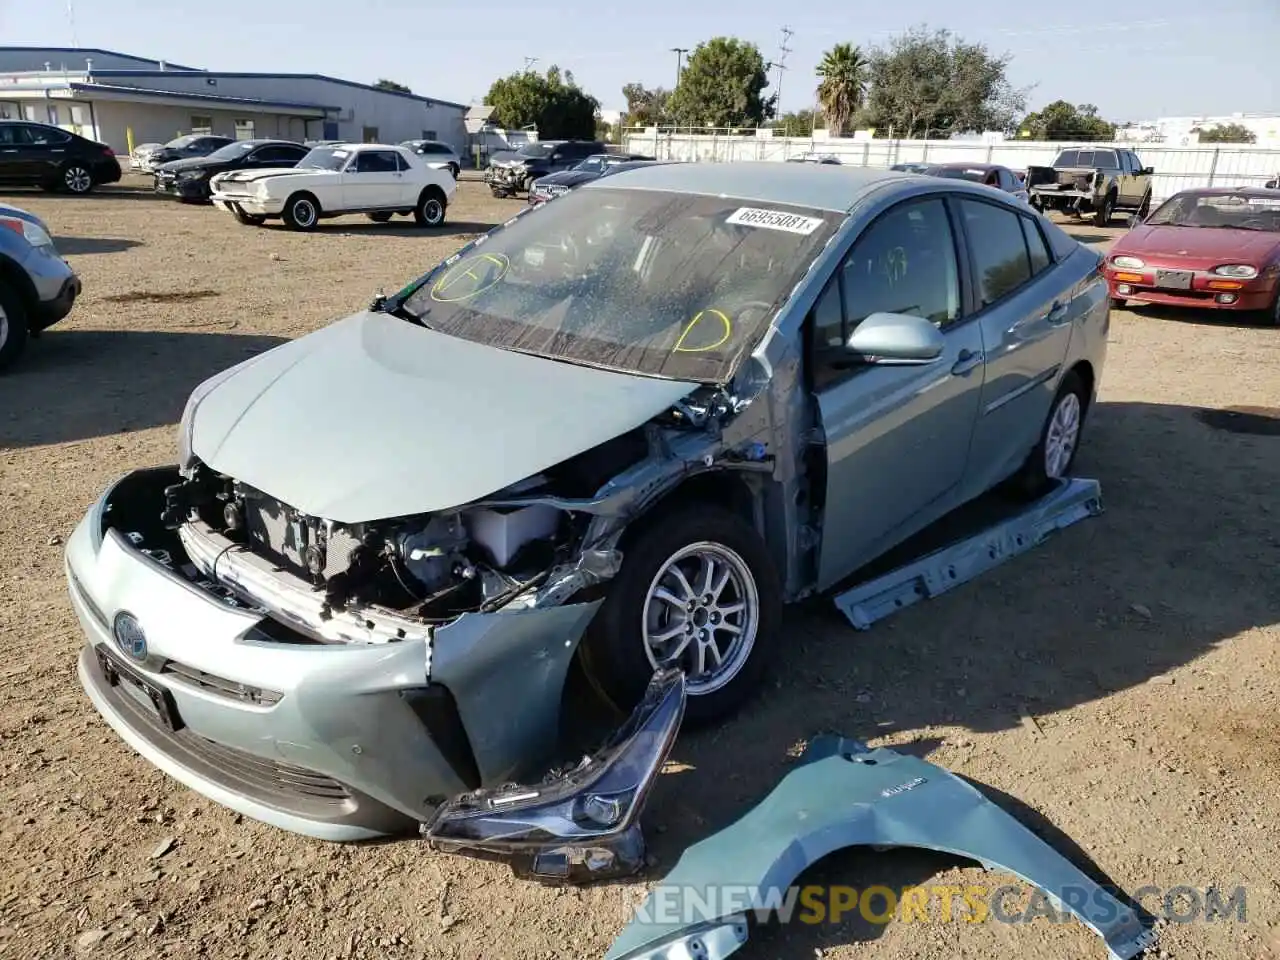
<point x="897" y="437"/>
<point x="40" y="151"/>
<point x="372" y="181"/>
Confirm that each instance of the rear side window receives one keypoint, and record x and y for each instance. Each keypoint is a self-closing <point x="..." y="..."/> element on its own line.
<point x="999" y="249"/>
<point x="42" y="136"/>
<point x="1036" y="247"/>
<point x="1068" y="158"/>
<point x="377" y="161"/>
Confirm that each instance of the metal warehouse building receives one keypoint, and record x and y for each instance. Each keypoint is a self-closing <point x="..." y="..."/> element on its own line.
<point x="105" y="96"/>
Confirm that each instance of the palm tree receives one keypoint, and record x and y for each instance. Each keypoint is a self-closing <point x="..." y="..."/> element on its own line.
<point x="843" y="72"/>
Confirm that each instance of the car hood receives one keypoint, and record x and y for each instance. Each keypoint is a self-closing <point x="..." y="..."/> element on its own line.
<point x="266" y="173"/>
<point x="374" y="417"/>
<point x="1198" y="243"/>
<point x="567" y="178"/>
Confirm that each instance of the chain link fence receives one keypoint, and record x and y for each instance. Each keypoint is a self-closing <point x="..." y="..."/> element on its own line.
<point x="1176" y="168"/>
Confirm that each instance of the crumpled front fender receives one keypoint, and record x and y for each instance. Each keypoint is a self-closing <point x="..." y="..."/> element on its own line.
<point x="844" y="794"/>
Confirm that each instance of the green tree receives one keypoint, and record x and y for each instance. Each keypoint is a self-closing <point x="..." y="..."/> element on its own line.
<point x="392" y="85"/>
<point x="930" y="83"/>
<point x="1228" y="133"/>
<point x="722" y="86"/>
<point x="553" y="102"/>
<point x="798" y="123"/>
<point x="843" y="86"/>
<point x="645" y="107"/>
<point x="1063" y="121"/>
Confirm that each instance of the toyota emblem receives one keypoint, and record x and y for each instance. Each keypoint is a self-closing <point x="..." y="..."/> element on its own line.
<point x="129" y="636"/>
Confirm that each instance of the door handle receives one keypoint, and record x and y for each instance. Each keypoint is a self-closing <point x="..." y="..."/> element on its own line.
<point x="967" y="360"/>
<point x="1057" y="313"/>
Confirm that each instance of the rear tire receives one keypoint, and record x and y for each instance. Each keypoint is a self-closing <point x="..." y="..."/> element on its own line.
<point x="1145" y="208"/>
<point x="13" y="325"/>
<point x="431" y="208"/>
<point x="302" y="212"/>
<point x="1103" y="215"/>
<point x="76" y="178"/>
<point x="1055" y="453"/>
<point x="635" y="628"/>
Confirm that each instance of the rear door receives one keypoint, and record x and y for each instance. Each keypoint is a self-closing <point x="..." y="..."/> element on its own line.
<point x="373" y="181"/>
<point x="1026" y="318"/>
<point x="896" y="437"/>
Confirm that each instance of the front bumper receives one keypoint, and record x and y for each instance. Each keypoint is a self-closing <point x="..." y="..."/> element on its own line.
<point x="1207" y="291"/>
<point x="334" y="741"/>
<point x="249" y="203"/>
<point x="197" y="189"/>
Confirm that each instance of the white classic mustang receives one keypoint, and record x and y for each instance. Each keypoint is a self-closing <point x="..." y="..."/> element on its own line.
<point x="369" y="178"/>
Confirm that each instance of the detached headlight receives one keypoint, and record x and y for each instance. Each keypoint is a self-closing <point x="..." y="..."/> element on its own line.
<point x="35" y="234"/>
<point x="1127" y="263"/>
<point x="1236" y="271"/>
<point x="582" y="825"/>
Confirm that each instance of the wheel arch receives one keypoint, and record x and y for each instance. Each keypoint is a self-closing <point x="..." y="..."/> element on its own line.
<point x="12" y="273"/>
<point x="433" y="189"/>
<point x="1084" y="370"/>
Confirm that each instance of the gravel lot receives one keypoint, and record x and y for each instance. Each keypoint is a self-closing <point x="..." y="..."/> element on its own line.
<point x="1144" y="645"/>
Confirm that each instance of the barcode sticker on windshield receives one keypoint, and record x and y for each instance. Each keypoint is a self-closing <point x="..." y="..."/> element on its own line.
<point x="774" y="220"/>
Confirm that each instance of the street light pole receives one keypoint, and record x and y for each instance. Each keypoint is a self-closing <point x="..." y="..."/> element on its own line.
<point x="679" y="52"/>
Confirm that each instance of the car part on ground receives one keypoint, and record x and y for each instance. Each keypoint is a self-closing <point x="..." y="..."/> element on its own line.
<point x="1211" y="248"/>
<point x="676" y="407"/>
<point x="1097" y="181"/>
<point x="579" y="825"/>
<point x="41" y="155"/>
<point x="37" y="287"/>
<point x="332" y="181"/>
<point x="844" y="794"/>
<point x="948" y="568"/>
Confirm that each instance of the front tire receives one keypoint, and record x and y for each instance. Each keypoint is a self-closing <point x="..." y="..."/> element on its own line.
<point x="697" y="589"/>
<point x="76" y="178"/>
<point x="431" y="208"/>
<point x="13" y="326"/>
<point x="302" y="212"/>
<point x="1055" y="453"/>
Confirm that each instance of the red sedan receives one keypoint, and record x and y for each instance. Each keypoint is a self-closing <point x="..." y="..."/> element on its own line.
<point x="1217" y="248"/>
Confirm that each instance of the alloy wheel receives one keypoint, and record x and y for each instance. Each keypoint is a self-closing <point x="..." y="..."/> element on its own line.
<point x="78" y="180"/>
<point x="1062" y="436"/>
<point x="701" y="613"/>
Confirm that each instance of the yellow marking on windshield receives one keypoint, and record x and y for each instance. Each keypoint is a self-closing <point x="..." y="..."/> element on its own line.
<point x="482" y="270"/>
<point x="692" y="325"/>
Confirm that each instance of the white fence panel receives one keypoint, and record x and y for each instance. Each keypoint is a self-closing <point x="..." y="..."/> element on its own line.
<point x="1176" y="168"/>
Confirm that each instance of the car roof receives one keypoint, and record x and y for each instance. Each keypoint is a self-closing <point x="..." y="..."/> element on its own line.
<point x="962" y="165"/>
<point x="815" y="185"/>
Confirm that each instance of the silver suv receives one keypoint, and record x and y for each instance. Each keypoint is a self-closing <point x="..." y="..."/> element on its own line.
<point x="436" y="154"/>
<point x="37" y="287"/>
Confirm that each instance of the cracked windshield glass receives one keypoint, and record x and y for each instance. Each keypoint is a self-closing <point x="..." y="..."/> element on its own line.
<point x="668" y="285"/>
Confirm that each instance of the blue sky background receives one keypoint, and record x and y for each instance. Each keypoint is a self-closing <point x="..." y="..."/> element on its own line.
<point x="1135" y="60"/>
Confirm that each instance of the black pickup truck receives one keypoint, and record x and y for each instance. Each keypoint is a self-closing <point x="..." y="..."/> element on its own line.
<point x="1088" y="180"/>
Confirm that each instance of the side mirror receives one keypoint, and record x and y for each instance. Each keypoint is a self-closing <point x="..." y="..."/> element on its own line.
<point x="896" y="339"/>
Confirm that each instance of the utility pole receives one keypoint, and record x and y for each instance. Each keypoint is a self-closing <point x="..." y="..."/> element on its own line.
<point x="781" y="64"/>
<point x="71" y="20"/>
<point x="679" y="52"/>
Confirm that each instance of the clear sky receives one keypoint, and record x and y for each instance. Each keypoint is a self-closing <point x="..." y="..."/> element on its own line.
<point x="1134" y="60"/>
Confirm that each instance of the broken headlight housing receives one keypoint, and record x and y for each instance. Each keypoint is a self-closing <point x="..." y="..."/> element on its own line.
<point x="581" y="825"/>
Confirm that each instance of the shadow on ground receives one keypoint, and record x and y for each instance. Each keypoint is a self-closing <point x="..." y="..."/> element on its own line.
<point x="1103" y="607"/>
<point x="111" y="193"/>
<point x="1199" y="317"/>
<point x="80" y="246"/>
<point x="397" y="227"/>
<point x="77" y="384"/>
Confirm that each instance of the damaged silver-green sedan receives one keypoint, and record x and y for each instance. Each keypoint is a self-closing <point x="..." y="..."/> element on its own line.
<point x="627" y="427"/>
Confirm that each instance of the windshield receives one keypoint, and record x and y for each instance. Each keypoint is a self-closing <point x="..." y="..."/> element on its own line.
<point x="592" y="165"/>
<point x="534" y="150"/>
<point x="233" y="150"/>
<point x="1231" y="210"/>
<point x="181" y="142"/>
<point x="661" y="284"/>
<point x="960" y="173"/>
<point x="325" y="158"/>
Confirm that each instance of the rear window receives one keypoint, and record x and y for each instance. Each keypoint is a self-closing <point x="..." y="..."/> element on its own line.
<point x="1068" y="158"/>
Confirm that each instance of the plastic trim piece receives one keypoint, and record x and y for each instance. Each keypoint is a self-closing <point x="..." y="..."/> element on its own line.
<point x="1070" y="502"/>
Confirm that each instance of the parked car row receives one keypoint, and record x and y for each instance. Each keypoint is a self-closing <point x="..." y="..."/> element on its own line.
<point x="39" y="155"/>
<point x="592" y="168"/>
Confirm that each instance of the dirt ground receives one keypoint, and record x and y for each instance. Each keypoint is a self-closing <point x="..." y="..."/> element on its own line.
<point x="1121" y="681"/>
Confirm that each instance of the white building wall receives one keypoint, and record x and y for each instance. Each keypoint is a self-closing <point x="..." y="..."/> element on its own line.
<point x="159" y="123"/>
<point x="394" y="118"/>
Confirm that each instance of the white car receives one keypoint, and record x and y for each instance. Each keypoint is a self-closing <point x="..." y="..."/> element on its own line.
<point x="370" y="178"/>
<point x="436" y="154"/>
